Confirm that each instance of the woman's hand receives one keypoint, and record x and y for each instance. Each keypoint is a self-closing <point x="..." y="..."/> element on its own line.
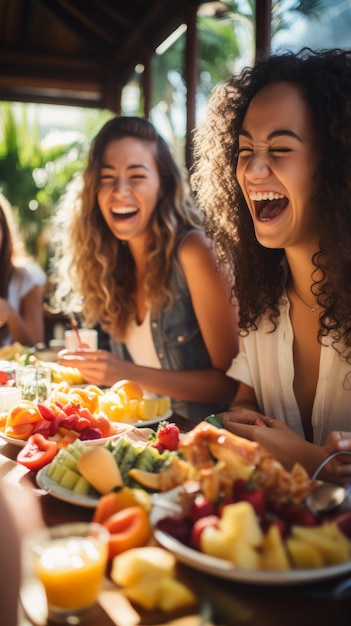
<point x="338" y="441"/>
<point x="98" y="367"/>
<point x="282" y="442"/>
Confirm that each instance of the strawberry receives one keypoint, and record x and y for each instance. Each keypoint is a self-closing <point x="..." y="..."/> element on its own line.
<point x="69" y="421"/>
<point x="256" y="499"/>
<point x="297" y="514"/>
<point x="178" y="526"/>
<point x="199" y="527"/>
<point x="201" y="507"/>
<point x="168" y="436"/>
<point x="46" y="411"/>
<point x="239" y="487"/>
<point x="158" y="446"/>
<point x="90" y="433"/>
<point x="243" y="491"/>
<point x="81" y="424"/>
<point x="343" y="520"/>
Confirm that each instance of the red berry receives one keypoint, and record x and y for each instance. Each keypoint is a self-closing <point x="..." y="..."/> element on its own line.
<point x="343" y="520"/>
<point x="158" y="446"/>
<point x="256" y="499"/>
<point x="168" y="436"/>
<point x="201" y="507"/>
<point x="46" y="411"/>
<point x="297" y="514"/>
<point x="69" y="422"/>
<point x="90" y="433"/>
<point x="199" y="527"/>
<point x="177" y="526"/>
<point x="239" y="488"/>
<point x="81" y="424"/>
<point x="282" y="527"/>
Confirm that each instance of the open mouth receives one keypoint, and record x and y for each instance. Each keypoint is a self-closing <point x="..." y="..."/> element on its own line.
<point x="268" y="205"/>
<point x="124" y="213"/>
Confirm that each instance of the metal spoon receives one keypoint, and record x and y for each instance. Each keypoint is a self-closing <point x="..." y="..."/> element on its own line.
<point x="327" y="496"/>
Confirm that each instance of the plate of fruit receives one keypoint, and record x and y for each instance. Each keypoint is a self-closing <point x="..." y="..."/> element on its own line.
<point x="81" y="474"/>
<point x="248" y="520"/>
<point x="60" y="423"/>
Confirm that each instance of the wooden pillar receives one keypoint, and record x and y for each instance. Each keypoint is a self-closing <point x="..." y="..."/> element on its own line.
<point x="191" y="79"/>
<point x="147" y="83"/>
<point x="263" y="28"/>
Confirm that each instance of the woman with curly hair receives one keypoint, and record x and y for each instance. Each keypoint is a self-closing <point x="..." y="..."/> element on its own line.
<point x="21" y="289"/>
<point x="272" y="174"/>
<point x="136" y="254"/>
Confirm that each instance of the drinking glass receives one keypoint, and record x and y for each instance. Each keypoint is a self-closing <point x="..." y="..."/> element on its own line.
<point x="69" y="560"/>
<point x="34" y="381"/>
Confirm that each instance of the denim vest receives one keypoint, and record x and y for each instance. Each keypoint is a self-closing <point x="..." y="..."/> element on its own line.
<point x="178" y="342"/>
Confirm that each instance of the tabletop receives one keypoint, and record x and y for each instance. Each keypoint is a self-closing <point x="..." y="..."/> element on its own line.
<point x="232" y="603"/>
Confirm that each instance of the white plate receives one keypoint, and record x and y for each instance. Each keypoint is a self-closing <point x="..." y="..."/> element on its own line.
<point x="224" y="569"/>
<point x="156" y="420"/>
<point x="61" y="493"/>
<point x="122" y="429"/>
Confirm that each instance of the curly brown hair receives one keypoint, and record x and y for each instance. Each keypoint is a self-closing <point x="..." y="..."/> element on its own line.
<point x="97" y="266"/>
<point x="324" y="78"/>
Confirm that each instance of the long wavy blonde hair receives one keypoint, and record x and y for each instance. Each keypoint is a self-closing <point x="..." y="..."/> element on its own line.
<point x="95" y="270"/>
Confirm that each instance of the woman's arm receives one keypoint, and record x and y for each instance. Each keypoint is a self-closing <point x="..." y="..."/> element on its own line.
<point x="27" y="326"/>
<point x="217" y="319"/>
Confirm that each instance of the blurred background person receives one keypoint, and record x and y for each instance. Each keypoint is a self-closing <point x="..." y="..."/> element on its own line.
<point x="22" y="284"/>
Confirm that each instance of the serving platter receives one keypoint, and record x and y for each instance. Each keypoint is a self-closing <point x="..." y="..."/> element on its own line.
<point x="225" y="569"/>
<point x="122" y="429"/>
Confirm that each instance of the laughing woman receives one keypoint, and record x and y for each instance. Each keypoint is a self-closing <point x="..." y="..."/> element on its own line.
<point x="273" y="177"/>
<point x="135" y="251"/>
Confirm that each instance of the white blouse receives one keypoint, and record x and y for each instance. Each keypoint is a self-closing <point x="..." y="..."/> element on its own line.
<point x="265" y="363"/>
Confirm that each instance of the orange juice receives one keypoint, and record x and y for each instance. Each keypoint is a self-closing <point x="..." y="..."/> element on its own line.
<point x="71" y="571"/>
<point x="70" y="562"/>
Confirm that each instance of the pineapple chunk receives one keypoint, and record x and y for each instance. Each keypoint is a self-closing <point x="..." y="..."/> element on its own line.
<point x="215" y="542"/>
<point x="145" y="592"/>
<point x="174" y="595"/>
<point x="328" y="538"/>
<point x="304" y="555"/>
<point x="147" y="409"/>
<point x="163" y="405"/>
<point x="274" y="556"/>
<point x="147" y="575"/>
<point x="242" y="554"/>
<point x="239" y="521"/>
<point x="130" y="566"/>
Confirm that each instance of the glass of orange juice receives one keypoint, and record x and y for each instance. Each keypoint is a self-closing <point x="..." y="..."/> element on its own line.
<point x="70" y="561"/>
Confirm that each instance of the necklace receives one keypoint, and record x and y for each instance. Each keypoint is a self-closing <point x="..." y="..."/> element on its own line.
<point x="313" y="309"/>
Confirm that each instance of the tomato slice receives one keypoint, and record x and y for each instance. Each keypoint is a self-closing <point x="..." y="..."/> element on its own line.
<point x="37" y="452"/>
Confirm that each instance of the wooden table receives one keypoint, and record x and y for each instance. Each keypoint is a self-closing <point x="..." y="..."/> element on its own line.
<point x="234" y="604"/>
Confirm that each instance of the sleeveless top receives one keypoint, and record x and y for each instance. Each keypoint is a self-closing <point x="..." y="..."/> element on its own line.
<point x="178" y="341"/>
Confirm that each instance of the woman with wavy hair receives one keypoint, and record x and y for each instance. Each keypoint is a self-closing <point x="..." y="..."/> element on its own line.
<point x="21" y="289"/>
<point x="134" y="249"/>
<point x="272" y="175"/>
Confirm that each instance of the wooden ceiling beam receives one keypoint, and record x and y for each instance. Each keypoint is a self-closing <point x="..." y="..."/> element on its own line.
<point x="80" y="22"/>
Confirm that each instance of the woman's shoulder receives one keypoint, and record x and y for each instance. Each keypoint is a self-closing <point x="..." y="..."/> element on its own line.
<point x="195" y="245"/>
